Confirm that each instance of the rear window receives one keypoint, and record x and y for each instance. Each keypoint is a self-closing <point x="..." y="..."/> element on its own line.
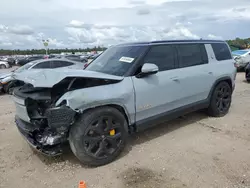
<point x="221" y="51"/>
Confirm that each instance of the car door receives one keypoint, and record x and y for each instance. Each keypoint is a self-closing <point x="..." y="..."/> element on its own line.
<point x="158" y="93"/>
<point x="195" y="74"/>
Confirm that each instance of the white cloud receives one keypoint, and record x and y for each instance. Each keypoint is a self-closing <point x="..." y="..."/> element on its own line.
<point x="78" y="23"/>
<point x="211" y="36"/>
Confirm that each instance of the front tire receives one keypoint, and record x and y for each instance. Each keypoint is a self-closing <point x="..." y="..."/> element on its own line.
<point x="221" y="100"/>
<point x="99" y="136"/>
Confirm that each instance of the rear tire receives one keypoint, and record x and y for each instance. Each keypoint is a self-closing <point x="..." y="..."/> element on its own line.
<point x="220" y="100"/>
<point x="99" y="136"/>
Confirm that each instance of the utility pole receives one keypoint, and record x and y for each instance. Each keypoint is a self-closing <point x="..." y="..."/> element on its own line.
<point x="46" y="44"/>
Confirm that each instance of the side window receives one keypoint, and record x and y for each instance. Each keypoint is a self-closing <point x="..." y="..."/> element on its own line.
<point x="57" y="64"/>
<point x="163" y="56"/>
<point x="42" y="65"/>
<point x="192" y="55"/>
<point x="221" y="51"/>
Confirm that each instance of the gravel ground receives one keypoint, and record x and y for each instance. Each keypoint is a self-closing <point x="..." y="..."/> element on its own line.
<point x="192" y="151"/>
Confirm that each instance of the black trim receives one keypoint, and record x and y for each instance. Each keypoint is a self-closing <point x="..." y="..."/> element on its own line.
<point x="144" y="74"/>
<point x="167" y="116"/>
<point x="171" y="42"/>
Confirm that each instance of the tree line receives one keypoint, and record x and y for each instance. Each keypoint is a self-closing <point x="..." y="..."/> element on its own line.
<point x="239" y="43"/>
<point x="50" y="51"/>
<point x="234" y="44"/>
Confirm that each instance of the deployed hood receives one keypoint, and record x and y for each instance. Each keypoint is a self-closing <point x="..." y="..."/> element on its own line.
<point x="4" y="75"/>
<point x="48" y="78"/>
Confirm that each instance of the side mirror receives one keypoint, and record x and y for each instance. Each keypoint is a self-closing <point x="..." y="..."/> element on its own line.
<point x="148" y="69"/>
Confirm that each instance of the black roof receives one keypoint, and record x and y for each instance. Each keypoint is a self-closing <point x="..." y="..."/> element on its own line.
<point x="173" y="41"/>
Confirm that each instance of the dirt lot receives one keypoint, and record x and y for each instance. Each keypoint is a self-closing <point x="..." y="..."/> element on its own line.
<point x="192" y="151"/>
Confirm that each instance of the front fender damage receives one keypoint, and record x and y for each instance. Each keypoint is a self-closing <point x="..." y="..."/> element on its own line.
<point x="50" y="115"/>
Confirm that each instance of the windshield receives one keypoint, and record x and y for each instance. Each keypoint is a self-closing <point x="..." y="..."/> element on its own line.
<point x="116" y="60"/>
<point x="25" y="67"/>
<point x="239" y="52"/>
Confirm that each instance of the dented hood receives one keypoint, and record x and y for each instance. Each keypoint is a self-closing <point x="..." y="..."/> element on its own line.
<point x="48" y="78"/>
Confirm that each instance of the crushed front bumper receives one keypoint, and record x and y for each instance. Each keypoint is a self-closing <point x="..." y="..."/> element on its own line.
<point x="28" y="131"/>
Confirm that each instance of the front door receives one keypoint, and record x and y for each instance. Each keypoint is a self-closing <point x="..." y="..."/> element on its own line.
<point x="160" y="92"/>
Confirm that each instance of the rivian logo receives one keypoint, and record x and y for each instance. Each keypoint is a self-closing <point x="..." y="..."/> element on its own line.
<point x="144" y="107"/>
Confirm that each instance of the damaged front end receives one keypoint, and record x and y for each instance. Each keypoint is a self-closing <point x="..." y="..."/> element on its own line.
<point x="41" y="120"/>
<point x="44" y="125"/>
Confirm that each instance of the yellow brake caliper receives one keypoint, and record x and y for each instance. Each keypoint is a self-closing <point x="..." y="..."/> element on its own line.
<point x="111" y="132"/>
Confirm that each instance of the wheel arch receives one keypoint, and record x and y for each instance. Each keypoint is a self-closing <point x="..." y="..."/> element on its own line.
<point x="222" y="79"/>
<point x="119" y="107"/>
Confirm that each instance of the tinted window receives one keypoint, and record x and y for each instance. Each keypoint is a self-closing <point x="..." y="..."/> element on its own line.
<point x="221" y="51"/>
<point x="42" y="65"/>
<point x="162" y="56"/>
<point x="57" y="64"/>
<point x="192" y="55"/>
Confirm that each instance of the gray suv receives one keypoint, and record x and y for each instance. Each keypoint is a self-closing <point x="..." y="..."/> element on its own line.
<point x="128" y="88"/>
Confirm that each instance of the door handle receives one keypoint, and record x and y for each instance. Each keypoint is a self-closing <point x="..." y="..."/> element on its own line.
<point x="211" y="73"/>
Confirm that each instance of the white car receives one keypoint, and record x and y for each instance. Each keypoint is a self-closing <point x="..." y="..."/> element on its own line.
<point x="242" y="58"/>
<point x="7" y="81"/>
<point x="4" y="65"/>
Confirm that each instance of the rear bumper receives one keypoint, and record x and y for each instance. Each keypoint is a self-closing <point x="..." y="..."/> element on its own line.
<point x="29" y="132"/>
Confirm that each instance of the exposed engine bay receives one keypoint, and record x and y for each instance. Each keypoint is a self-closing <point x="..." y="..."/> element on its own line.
<point x="49" y="124"/>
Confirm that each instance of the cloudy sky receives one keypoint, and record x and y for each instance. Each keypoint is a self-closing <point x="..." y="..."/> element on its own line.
<point x="85" y="23"/>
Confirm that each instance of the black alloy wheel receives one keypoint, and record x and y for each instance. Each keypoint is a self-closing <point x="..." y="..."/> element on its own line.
<point x="220" y="100"/>
<point x="99" y="136"/>
<point x="223" y="98"/>
<point x="103" y="137"/>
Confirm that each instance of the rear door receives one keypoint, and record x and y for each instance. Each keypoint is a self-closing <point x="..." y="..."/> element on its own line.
<point x="195" y="73"/>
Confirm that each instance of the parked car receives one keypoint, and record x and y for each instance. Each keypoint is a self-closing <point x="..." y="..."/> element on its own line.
<point x="242" y="58"/>
<point x="247" y="73"/>
<point x="8" y="81"/>
<point x="26" y="60"/>
<point x="3" y="77"/>
<point x="4" y="65"/>
<point x="129" y="88"/>
<point x="10" y="60"/>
